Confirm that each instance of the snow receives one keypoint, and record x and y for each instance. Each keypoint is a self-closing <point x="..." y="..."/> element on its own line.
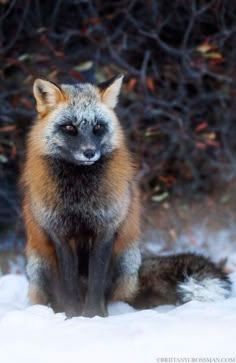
<point x="36" y="334"/>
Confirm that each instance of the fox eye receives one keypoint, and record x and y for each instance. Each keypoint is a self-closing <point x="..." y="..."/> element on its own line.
<point x="99" y="129"/>
<point x="69" y="129"/>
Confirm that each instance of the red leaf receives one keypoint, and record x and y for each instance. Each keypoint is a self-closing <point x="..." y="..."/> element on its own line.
<point x="13" y="151"/>
<point x="59" y="54"/>
<point x="7" y="128"/>
<point x="131" y="84"/>
<point x="150" y="84"/>
<point x="217" y="60"/>
<point x="213" y="143"/>
<point x="203" y="125"/>
<point x="76" y="75"/>
<point x="200" y="145"/>
<point x="169" y="180"/>
<point x="26" y="103"/>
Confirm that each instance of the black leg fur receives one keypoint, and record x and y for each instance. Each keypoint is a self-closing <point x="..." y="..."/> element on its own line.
<point x="68" y="283"/>
<point x="99" y="261"/>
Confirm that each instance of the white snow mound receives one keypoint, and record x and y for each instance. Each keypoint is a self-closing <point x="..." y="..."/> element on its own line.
<point x="35" y="334"/>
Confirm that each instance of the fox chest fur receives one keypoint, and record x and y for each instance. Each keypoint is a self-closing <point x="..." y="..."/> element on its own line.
<point x="82" y="203"/>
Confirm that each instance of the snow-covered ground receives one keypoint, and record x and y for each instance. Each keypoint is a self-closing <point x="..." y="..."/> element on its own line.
<point x="34" y="334"/>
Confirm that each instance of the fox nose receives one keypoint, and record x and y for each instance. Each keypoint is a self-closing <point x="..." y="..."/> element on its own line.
<point x="89" y="153"/>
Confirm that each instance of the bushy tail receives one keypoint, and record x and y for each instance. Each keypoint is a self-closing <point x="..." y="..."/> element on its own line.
<point x="178" y="279"/>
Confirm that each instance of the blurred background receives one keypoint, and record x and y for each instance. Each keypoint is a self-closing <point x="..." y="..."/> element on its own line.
<point x="177" y="107"/>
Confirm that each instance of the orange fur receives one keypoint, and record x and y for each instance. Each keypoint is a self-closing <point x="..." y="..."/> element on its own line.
<point x="37" y="240"/>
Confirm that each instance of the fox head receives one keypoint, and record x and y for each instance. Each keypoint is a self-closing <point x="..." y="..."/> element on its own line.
<point x="77" y="122"/>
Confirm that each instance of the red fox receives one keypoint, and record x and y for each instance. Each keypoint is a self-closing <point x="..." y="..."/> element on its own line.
<point x="81" y="200"/>
<point x="82" y="214"/>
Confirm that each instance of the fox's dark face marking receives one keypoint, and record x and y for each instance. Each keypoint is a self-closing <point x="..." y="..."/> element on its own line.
<point x="82" y="137"/>
<point x="80" y="126"/>
<point x="83" y="143"/>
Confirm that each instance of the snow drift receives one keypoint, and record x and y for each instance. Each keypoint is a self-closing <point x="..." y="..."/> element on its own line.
<point x="36" y="334"/>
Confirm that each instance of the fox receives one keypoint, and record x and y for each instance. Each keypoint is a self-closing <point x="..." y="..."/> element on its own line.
<point x="81" y="205"/>
<point x="81" y="209"/>
<point x="179" y="278"/>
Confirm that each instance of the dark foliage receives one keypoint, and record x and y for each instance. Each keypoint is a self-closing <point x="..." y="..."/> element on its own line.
<point x="178" y="101"/>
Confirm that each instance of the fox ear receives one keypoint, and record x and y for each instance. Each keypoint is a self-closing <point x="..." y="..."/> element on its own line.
<point x="109" y="90"/>
<point x="47" y="95"/>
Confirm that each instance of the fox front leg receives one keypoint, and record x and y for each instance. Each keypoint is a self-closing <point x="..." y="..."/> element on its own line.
<point x="99" y="261"/>
<point x="68" y="277"/>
